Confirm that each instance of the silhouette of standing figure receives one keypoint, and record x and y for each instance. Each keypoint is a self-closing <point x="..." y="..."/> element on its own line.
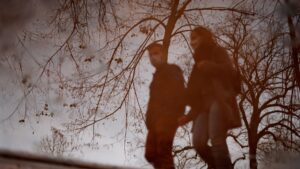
<point x="212" y="89"/>
<point x="166" y="105"/>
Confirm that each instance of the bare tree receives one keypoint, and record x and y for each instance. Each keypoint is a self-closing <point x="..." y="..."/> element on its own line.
<point x="269" y="101"/>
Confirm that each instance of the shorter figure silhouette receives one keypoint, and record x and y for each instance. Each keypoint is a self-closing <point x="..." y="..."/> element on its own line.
<point x="212" y="89"/>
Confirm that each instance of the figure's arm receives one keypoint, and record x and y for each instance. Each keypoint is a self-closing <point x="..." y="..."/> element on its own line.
<point x="152" y="105"/>
<point x="174" y="91"/>
<point x="149" y="116"/>
<point x="187" y="118"/>
<point x="215" y="68"/>
<point x="219" y="64"/>
<point x="222" y="67"/>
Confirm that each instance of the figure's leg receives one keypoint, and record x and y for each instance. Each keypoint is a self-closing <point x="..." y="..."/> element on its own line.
<point x="165" y="146"/>
<point x="218" y="133"/>
<point x="150" y="147"/>
<point x="200" y="138"/>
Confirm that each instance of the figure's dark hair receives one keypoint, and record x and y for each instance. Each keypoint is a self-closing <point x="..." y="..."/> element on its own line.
<point x="153" y="45"/>
<point x="203" y="32"/>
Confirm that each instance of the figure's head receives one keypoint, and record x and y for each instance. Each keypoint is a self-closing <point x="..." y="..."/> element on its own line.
<point x="155" y="54"/>
<point x="199" y="36"/>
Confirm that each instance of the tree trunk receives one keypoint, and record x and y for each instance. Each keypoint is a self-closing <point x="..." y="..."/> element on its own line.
<point x="253" y="160"/>
<point x="169" y="29"/>
<point x="295" y="48"/>
<point x="252" y="149"/>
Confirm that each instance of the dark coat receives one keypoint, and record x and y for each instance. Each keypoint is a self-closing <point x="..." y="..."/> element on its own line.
<point x="167" y="101"/>
<point x="208" y="82"/>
